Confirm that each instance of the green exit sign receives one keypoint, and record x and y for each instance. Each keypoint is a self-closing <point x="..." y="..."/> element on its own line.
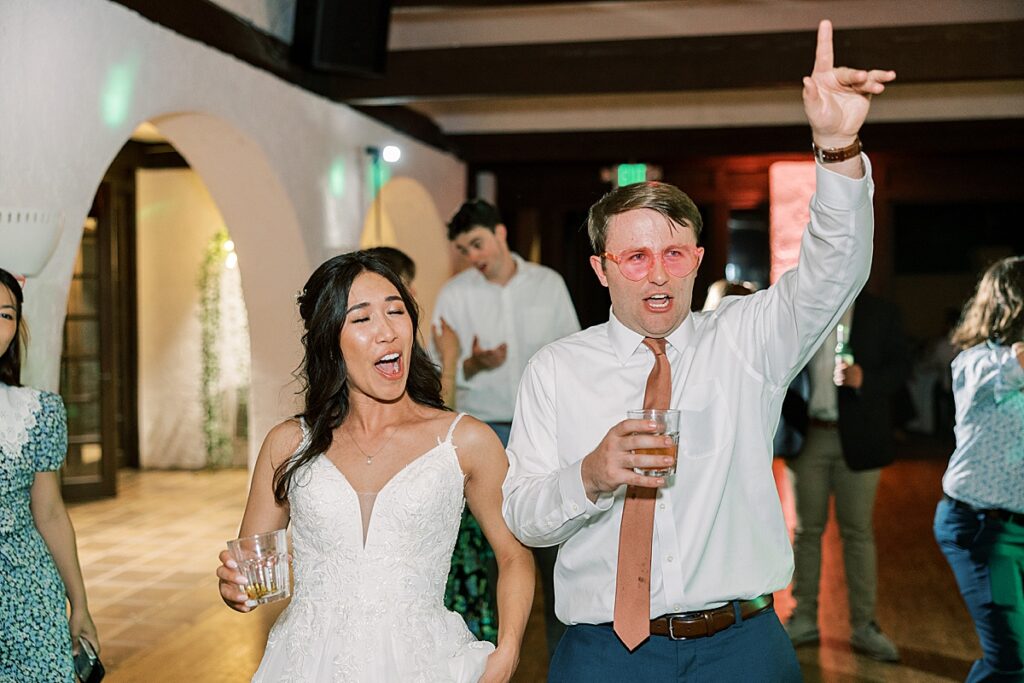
<point x="628" y="174"/>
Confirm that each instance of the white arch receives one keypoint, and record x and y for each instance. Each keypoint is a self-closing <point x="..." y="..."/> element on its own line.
<point x="79" y="75"/>
<point x="260" y="217"/>
<point x="410" y="221"/>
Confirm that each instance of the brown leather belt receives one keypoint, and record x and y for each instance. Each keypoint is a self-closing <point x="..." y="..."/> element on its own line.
<point x="709" y="622"/>
<point x="991" y="513"/>
<point x="822" y="424"/>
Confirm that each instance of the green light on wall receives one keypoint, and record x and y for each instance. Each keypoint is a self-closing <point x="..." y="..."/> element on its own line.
<point x="377" y="175"/>
<point x="630" y="174"/>
<point x="336" y="177"/>
<point x="116" y="99"/>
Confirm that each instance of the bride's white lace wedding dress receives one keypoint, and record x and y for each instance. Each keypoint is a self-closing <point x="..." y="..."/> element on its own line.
<point x="373" y="611"/>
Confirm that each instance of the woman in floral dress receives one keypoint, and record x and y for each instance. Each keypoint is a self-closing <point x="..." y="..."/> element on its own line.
<point x="39" y="568"/>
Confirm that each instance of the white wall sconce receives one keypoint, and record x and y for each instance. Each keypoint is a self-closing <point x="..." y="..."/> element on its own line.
<point x="28" y="238"/>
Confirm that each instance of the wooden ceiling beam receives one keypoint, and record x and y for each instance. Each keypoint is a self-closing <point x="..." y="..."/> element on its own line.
<point x="934" y="53"/>
<point x="660" y="146"/>
<point x="919" y="54"/>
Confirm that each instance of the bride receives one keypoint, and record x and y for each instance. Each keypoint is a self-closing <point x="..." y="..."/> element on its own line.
<point x="373" y="476"/>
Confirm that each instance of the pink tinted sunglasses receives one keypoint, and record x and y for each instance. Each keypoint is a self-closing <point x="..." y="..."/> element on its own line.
<point x="637" y="263"/>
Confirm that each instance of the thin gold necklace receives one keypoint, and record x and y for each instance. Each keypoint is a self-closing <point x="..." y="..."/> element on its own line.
<point x="369" y="457"/>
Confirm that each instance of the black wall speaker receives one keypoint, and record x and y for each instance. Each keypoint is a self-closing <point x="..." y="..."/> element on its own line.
<point x="345" y="36"/>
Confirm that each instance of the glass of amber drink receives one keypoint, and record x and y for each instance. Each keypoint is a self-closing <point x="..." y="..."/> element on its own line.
<point x="263" y="560"/>
<point x="668" y="425"/>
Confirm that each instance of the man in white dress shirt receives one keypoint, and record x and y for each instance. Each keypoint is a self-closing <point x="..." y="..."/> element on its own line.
<point x="720" y="547"/>
<point x="503" y="310"/>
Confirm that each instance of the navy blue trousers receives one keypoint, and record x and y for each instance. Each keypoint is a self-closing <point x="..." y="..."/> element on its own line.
<point x="756" y="650"/>
<point x="987" y="558"/>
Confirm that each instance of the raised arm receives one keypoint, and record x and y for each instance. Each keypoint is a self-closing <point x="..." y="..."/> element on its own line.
<point x="837" y="100"/>
<point x="791" y="318"/>
<point x="485" y="464"/>
<point x="262" y="512"/>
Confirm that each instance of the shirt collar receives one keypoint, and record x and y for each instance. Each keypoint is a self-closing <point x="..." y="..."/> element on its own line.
<point x="521" y="263"/>
<point x="625" y="341"/>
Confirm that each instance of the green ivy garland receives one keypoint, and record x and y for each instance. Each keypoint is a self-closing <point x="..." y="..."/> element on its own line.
<point x="215" y="437"/>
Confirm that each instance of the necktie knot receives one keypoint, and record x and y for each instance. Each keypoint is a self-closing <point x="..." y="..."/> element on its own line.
<point x="656" y="345"/>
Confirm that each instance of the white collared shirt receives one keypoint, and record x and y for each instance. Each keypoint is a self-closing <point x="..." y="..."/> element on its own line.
<point x="719" y="533"/>
<point x="529" y="311"/>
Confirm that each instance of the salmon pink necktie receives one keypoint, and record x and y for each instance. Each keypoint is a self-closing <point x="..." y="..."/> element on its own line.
<point x="633" y="577"/>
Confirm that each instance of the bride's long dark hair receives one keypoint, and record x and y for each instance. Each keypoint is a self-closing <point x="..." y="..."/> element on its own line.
<point x="322" y="306"/>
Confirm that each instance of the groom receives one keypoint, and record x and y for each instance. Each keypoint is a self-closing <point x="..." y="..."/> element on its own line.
<point x="665" y="578"/>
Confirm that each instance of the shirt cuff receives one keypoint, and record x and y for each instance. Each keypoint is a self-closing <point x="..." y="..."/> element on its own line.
<point x="839" y="191"/>
<point x="575" y="502"/>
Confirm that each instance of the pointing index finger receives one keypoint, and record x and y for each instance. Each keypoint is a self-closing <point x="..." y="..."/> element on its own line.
<point x="823" y="54"/>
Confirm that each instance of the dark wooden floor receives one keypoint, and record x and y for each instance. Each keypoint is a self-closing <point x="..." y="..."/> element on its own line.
<point x="197" y="639"/>
<point x="919" y="606"/>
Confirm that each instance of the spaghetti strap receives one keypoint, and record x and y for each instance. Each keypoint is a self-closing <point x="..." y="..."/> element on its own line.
<point x="451" y="429"/>
<point x="307" y="433"/>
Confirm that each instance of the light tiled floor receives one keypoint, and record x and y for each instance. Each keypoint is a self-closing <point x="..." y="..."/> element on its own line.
<point x="149" y="556"/>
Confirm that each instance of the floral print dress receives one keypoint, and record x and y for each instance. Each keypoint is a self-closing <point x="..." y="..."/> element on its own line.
<point x="35" y="644"/>
<point x="469" y="591"/>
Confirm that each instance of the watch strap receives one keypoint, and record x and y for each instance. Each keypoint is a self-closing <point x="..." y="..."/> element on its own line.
<point x="831" y="155"/>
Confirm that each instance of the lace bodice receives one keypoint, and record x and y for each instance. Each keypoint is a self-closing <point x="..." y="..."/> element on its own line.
<point x="347" y="590"/>
<point x="409" y="537"/>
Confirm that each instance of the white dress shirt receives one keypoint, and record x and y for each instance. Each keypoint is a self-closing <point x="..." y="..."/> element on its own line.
<point x="719" y="534"/>
<point x="529" y="311"/>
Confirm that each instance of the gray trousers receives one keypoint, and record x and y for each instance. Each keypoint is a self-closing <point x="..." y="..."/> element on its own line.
<point x="817" y="473"/>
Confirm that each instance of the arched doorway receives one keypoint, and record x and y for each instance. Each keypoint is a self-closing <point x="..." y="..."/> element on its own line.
<point x="177" y="388"/>
<point x="409" y="220"/>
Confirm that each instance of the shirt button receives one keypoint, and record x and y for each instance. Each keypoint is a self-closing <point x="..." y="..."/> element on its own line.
<point x="575" y="507"/>
<point x="661" y="506"/>
<point x="676" y="608"/>
<point x="670" y="558"/>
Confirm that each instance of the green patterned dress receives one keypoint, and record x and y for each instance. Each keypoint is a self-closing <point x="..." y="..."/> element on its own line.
<point x="468" y="591"/>
<point x="35" y="644"/>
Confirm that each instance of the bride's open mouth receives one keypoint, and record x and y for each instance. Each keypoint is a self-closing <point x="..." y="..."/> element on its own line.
<point x="389" y="365"/>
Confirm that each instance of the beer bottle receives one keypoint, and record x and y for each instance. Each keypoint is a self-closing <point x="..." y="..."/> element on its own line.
<point x="844" y="352"/>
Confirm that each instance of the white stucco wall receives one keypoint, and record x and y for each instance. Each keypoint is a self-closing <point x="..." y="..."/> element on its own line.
<point x="79" y="75"/>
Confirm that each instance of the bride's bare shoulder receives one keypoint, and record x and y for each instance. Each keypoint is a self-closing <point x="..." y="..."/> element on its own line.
<point x="282" y="441"/>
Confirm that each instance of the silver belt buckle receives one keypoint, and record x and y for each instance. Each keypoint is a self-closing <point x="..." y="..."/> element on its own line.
<point x="671" y="631"/>
<point x="705" y="616"/>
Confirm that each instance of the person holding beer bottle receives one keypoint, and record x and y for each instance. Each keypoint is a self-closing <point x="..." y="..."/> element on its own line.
<point x="854" y="377"/>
